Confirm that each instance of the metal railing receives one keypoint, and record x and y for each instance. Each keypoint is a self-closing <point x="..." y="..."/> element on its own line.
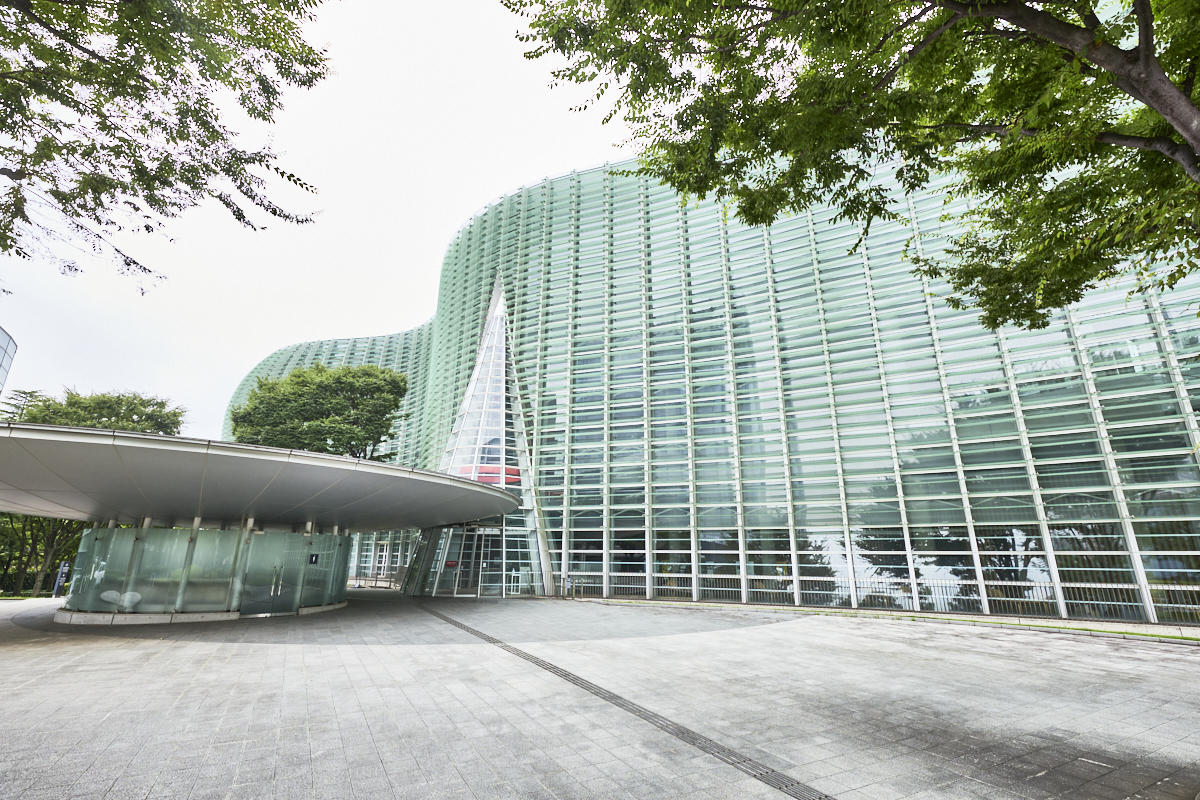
<point x="381" y="580"/>
<point x="723" y="588"/>
<point x="673" y="587"/>
<point x="1178" y="604"/>
<point x="1020" y="599"/>
<point x="1173" y="604"/>
<point x="623" y="584"/>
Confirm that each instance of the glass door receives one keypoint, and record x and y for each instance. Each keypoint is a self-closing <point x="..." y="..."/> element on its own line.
<point x="274" y="574"/>
<point x="293" y="561"/>
<point x="491" y="564"/>
<point x="467" y="582"/>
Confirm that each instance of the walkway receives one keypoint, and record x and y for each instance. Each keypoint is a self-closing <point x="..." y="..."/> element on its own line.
<point x="384" y="699"/>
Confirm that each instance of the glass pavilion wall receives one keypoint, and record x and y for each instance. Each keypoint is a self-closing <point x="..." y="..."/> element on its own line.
<point x="716" y="412"/>
<point x="206" y="571"/>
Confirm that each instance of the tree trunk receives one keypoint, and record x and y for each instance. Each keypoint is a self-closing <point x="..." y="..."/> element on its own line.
<point x="25" y="556"/>
<point x="39" y="576"/>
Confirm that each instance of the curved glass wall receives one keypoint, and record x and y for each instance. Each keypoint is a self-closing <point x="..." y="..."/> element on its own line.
<point x="189" y="571"/>
<point x="712" y="411"/>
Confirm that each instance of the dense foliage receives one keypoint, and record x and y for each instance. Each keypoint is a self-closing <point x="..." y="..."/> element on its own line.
<point x="121" y="411"/>
<point x="110" y="114"/>
<point x="1073" y="125"/>
<point x="32" y="547"/>
<point x="346" y="411"/>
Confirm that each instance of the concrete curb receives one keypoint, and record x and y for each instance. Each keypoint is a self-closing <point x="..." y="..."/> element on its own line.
<point x="1173" y="634"/>
<point x="64" y="617"/>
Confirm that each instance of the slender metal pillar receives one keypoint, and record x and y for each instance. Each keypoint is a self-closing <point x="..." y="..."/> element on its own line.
<point x="837" y="444"/>
<point x="125" y="606"/>
<point x="239" y="566"/>
<point x="187" y="565"/>
<point x="1110" y="463"/>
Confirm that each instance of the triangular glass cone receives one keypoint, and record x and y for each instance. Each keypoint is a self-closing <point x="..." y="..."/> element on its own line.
<point x="482" y="444"/>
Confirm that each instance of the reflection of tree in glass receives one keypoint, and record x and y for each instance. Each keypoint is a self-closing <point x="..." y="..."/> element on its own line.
<point x="817" y="587"/>
<point x="881" y="545"/>
<point x="1010" y="553"/>
<point x="718" y="540"/>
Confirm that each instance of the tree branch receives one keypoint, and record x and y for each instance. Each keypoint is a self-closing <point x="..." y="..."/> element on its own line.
<point x="888" y="36"/>
<point x="929" y="39"/>
<point x="1136" y="72"/>
<point x="1159" y="144"/>
<point x="1145" y="20"/>
<point x="1173" y="150"/>
<point x="1088" y="15"/>
<point x="25" y="7"/>
<point x="14" y="175"/>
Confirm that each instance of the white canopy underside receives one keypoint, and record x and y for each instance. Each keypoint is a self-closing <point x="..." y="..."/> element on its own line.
<point x="102" y="475"/>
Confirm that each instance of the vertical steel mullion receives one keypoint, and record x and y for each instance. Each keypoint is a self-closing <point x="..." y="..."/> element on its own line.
<point x="685" y="284"/>
<point x="685" y="258"/>
<point x="1110" y="463"/>
<point x="605" y="383"/>
<point x="947" y="402"/>
<point x="1159" y="320"/>
<point x="891" y="431"/>
<point x="548" y="584"/>
<point x="739" y="494"/>
<point x="651" y="543"/>
<point x="568" y="452"/>
<point x="837" y="443"/>
<point x="1031" y="473"/>
<point x="776" y="323"/>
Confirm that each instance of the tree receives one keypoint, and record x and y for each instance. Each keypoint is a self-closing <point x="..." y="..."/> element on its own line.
<point x="122" y="411"/>
<point x="1073" y="124"/>
<point x="31" y="546"/>
<point x="110" y="114"/>
<point x="346" y="411"/>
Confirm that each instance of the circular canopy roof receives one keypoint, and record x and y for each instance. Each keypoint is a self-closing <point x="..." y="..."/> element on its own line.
<point x="101" y="475"/>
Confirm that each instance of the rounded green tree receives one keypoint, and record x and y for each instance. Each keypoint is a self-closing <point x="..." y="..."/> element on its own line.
<point x="346" y="411"/>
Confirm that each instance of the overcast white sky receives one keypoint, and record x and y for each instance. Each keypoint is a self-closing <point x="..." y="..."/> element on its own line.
<point x="431" y="114"/>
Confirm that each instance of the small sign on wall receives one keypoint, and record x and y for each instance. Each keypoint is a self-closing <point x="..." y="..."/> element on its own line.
<point x="451" y="563"/>
<point x="312" y="558"/>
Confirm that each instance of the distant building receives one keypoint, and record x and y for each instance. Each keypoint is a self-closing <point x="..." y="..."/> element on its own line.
<point x="691" y="408"/>
<point x="8" y="349"/>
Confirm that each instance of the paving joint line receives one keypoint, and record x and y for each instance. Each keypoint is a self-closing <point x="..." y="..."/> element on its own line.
<point x="760" y="772"/>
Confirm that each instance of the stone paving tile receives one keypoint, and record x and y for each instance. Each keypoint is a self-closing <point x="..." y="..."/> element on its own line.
<point x="382" y="700"/>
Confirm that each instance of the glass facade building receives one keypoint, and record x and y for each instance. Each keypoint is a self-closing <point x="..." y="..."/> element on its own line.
<point x="8" y="349"/>
<point x="691" y="408"/>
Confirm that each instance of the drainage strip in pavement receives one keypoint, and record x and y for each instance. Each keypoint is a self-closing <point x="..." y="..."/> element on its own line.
<point x="784" y="783"/>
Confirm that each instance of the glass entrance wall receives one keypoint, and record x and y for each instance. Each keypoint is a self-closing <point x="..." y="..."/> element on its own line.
<point x="181" y="570"/>
<point x="479" y="560"/>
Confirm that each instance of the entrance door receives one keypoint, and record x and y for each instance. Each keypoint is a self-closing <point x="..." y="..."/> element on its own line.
<point x="466" y="583"/>
<point x="274" y="574"/>
<point x="478" y="571"/>
<point x="491" y="564"/>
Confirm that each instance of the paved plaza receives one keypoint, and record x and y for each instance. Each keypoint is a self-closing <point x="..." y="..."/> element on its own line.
<point x="384" y="699"/>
